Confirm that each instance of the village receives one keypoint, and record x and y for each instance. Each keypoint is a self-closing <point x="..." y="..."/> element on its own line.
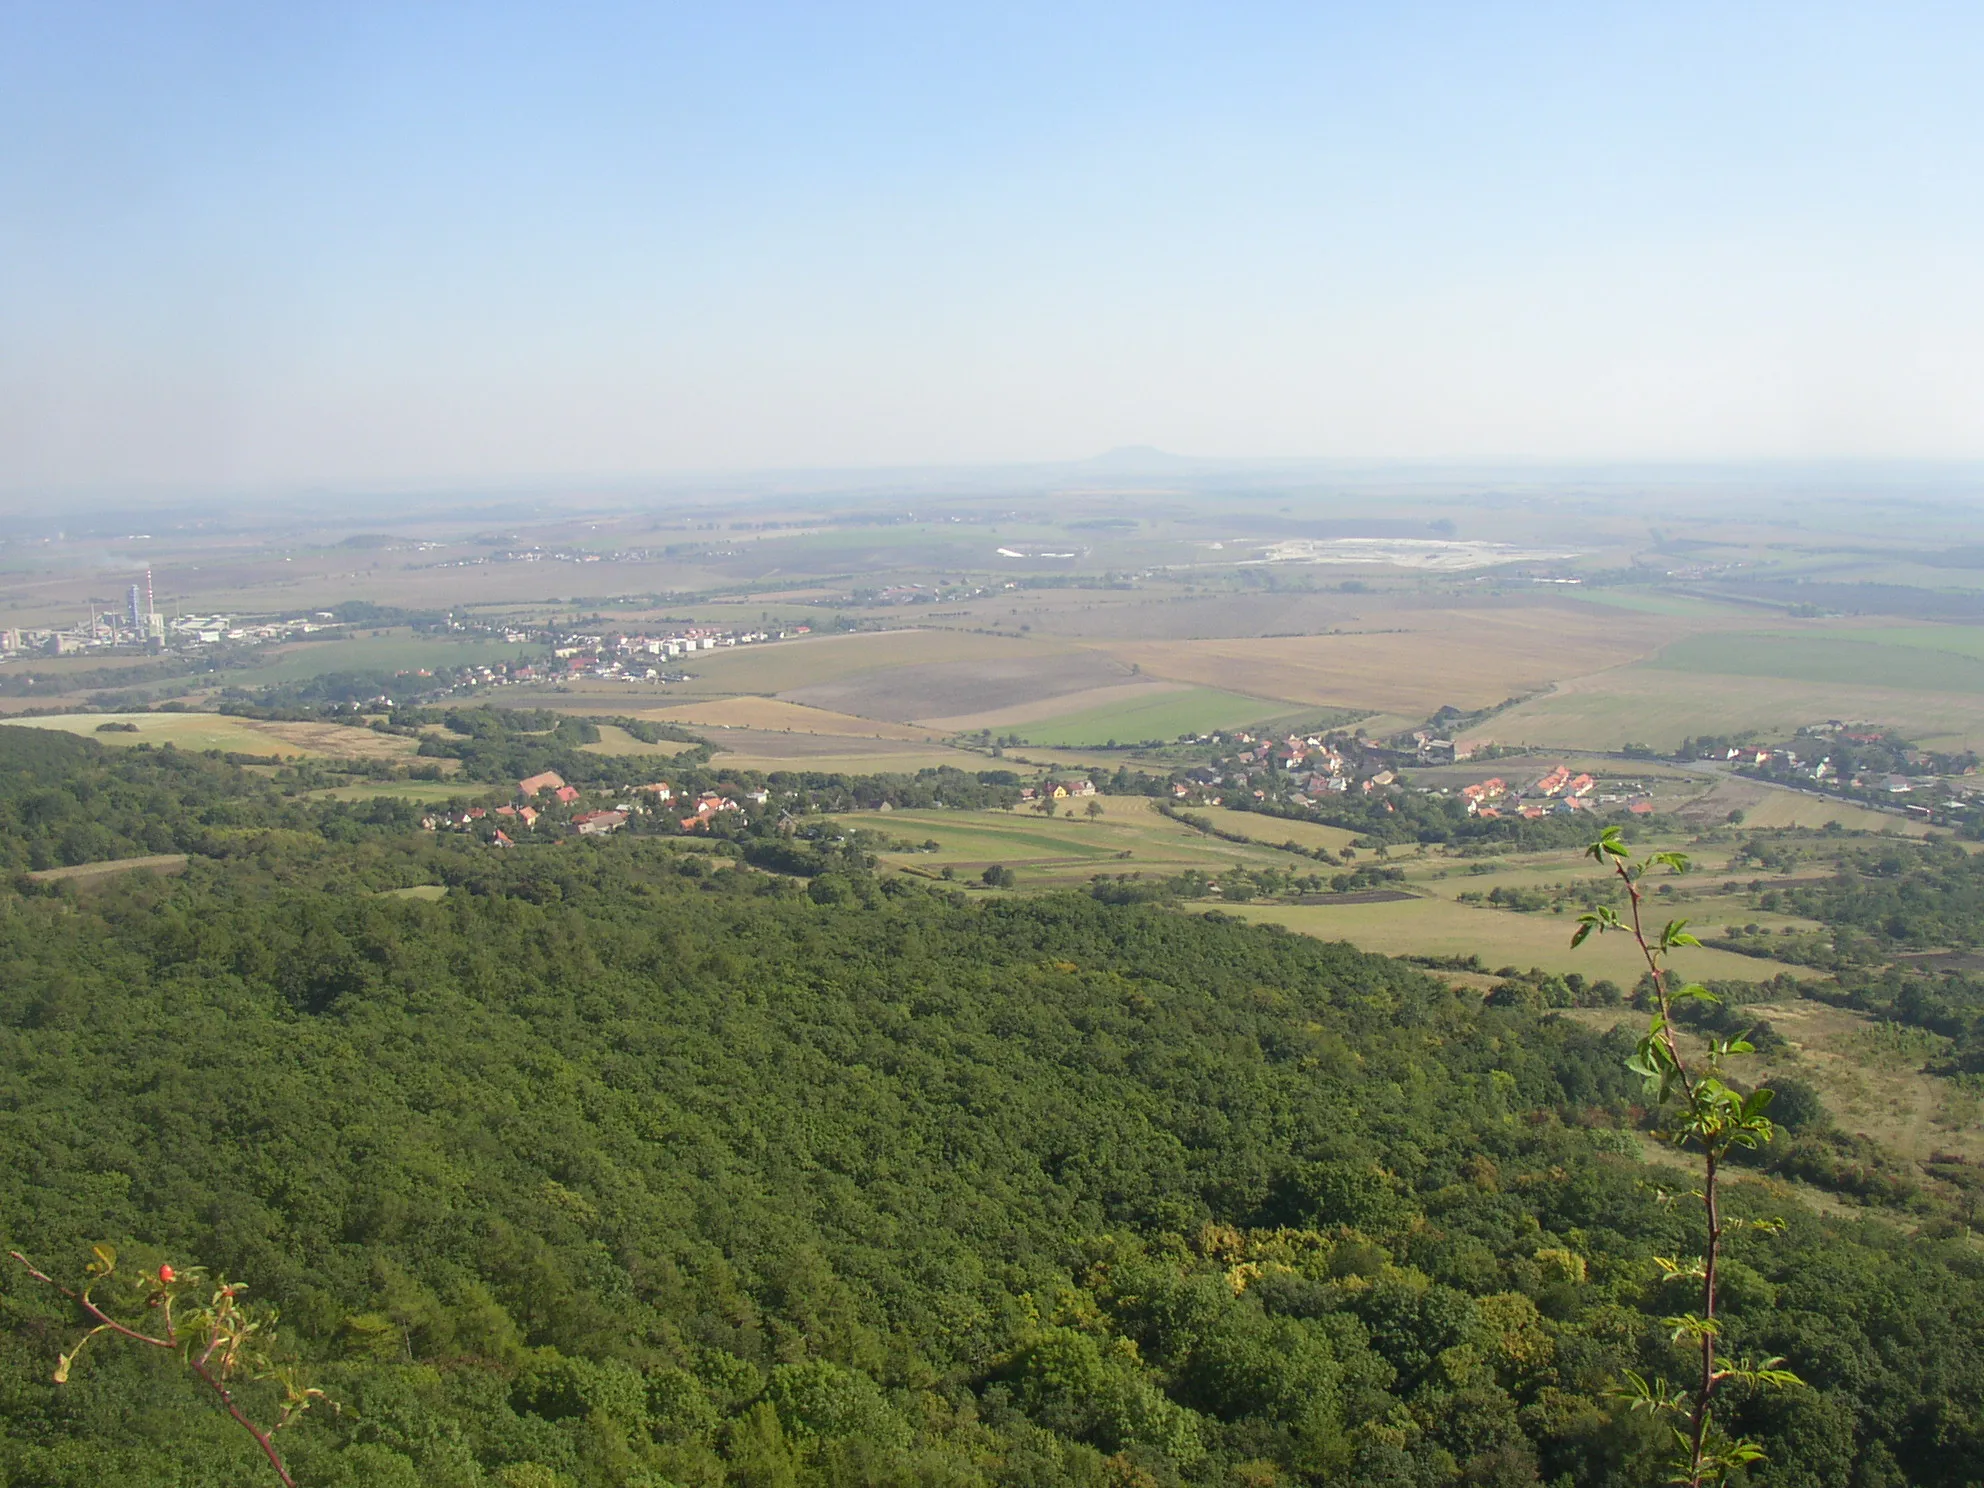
<point x="546" y="802"/>
<point x="615" y="656"/>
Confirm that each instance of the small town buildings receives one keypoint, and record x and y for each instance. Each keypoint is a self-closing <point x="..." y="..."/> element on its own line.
<point x="597" y="823"/>
<point x="549" y="780"/>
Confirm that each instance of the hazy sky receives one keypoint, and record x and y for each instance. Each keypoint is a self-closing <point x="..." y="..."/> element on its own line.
<point x="279" y="243"/>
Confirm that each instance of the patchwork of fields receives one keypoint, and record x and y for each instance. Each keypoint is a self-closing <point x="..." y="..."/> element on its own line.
<point x="1131" y="837"/>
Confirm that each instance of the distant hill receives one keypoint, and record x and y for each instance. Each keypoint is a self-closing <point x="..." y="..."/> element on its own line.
<point x="1140" y="459"/>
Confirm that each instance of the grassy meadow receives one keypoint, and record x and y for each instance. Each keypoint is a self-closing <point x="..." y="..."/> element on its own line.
<point x="617" y="741"/>
<point x="1157" y="715"/>
<point x="425" y="792"/>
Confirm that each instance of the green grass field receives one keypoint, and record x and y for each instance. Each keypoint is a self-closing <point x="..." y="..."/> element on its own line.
<point x="1651" y="602"/>
<point x="1958" y="640"/>
<point x="427" y="792"/>
<point x="1848" y="662"/>
<point x="1272" y="831"/>
<point x="1164" y="715"/>
<point x="1439" y="927"/>
<point x="616" y="740"/>
<point x="1067" y="849"/>
<point x="432" y="893"/>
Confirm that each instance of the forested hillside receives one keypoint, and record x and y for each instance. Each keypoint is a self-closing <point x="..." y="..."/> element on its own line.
<point x="65" y="800"/>
<point x="626" y="1163"/>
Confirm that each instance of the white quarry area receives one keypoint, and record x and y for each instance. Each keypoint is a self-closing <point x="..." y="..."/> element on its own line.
<point x="1409" y="552"/>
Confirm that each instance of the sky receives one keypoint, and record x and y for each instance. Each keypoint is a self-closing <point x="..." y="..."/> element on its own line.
<point x="313" y="246"/>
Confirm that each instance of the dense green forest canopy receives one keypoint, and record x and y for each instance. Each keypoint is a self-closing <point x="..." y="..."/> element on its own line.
<point x="66" y="800"/>
<point x="626" y="1162"/>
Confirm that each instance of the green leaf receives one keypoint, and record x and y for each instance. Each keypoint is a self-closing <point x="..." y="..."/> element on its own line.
<point x="1608" y="845"/>
<point x="1675" y="933"/>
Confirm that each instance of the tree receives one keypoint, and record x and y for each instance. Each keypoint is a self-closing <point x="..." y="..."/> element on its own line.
<point x="214" y="1339"/>
<point x="1712" y="1119"/>
<point x="1094" y="809"/>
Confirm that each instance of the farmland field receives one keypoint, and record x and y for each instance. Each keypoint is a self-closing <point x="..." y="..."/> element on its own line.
<point x="1013" y="673"/>
<point x="1067" y="849"/>
<point x="833" y="754"/>
<point x="615" y="740"/>
<point x="1837" y="660"/>
<point x="1151" y="715"/>
<point x="1659" y="707"/>
<point x="1433" y="658"/>
<point x="772" y="715"/>
<point x="1012" y="715"/>
<point x="1680" y="606"/>
<point x="233" y="735"/>
<point x="804" y="664"/>
<point x="1272" y="831"/>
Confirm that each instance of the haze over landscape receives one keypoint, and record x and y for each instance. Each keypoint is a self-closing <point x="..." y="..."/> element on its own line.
<point x="382" y="244"/>
<point x="1163" y="747"/>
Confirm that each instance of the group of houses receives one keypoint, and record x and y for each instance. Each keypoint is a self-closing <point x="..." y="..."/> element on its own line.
<point x="1321" y="768"/>
<point x="1558" y="791"/>
<point x="635" y="658"/>
<point x="545" y="793"/>
<point x="1059" y="790"/>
